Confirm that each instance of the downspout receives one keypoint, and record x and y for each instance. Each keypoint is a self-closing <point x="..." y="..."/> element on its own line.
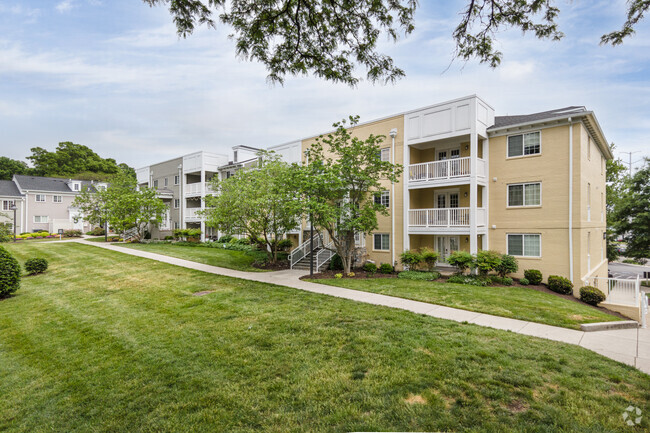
<point x="393" y="134"/>
<point x="181" y="217"/>
<point x="570" y="199"/>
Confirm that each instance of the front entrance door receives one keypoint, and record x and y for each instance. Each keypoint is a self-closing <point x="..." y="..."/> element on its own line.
<point x="446" y="245"/>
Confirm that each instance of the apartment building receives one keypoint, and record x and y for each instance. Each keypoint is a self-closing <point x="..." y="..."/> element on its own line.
<point x="43" y="203"/>
<point x="532" y="186"/>
<point x="182" y="184"/>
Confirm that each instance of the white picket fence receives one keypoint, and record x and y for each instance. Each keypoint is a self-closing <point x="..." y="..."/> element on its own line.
<point x="618" y="291"/>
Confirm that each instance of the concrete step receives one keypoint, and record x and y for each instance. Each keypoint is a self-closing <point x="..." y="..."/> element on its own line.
<point x="608" y="326"/>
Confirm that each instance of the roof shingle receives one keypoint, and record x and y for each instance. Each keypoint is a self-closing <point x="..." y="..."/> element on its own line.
<point x="501" y="121"/>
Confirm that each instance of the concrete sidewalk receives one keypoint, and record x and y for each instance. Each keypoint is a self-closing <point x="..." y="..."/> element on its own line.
<point x="629" y="346"/>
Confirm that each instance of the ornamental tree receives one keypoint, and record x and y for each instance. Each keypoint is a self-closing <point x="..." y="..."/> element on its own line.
<point x="262" y="202"/>
<point x="338" y="183"/>
<point x="633" y="214"/>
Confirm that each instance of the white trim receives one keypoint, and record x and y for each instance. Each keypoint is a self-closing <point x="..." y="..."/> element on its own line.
<point x="374" y="243"/>
<point x="524" y="205"/>
<point x="54" y="197"/>
<point x="37" y="196"/>
<point x="523" y="246"/>
<point x="570" y="200"/>
<point x="47" y="219"/>
<point x="523" y="145"/>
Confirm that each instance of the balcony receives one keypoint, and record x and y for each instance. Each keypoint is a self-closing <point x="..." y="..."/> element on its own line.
<point x="192" y="214"/>
<point x="454" y="171"/>
<point x="196" y="189"/>
<point x="444" y="220"/>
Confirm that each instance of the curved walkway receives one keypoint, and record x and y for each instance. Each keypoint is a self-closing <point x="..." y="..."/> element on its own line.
<point x="629" y="346"/>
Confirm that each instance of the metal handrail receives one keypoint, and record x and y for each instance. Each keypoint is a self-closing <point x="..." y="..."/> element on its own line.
<point x="324" y="255"/>
<point x="301" y="252"/>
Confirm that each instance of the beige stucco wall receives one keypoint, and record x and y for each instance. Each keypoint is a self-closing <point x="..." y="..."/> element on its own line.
<point x="551" y="219"/>
<point x="383" y="127"/>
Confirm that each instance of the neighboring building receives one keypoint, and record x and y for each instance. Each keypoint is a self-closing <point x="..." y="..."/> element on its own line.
<point x="43" y="203"/>
<point x="531" y="185"/>
<point x="10" y="195"/>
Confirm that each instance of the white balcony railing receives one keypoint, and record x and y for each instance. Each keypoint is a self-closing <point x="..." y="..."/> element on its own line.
<point x="195" y="189"/>
<point x="447" y="169"/>
<point x="192" y="214"/>
<point x="444" y="217"/>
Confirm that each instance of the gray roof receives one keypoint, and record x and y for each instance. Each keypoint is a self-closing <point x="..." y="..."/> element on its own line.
<point x="9" y="189"/>
<point x="502" y="121"/>
<point x="36" y="183"/>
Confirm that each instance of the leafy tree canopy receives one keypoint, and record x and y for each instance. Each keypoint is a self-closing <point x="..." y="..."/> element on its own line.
<point x="74" y="160"/>
<point x="330" y="38"/>
<point x="633" y="214"/>
<point x="9" y="167"/>
<point x="616" y="188"/>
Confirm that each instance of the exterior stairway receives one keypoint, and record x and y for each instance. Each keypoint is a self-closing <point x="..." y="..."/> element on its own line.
<point x="303" y="264"/>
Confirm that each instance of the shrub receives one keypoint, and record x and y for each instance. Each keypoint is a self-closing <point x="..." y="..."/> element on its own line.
<point x="72" y="233"/>
<point x="169" y="238"/>
<point x="524" y="281"/>
<point x="285" y="244"/>
<point x="225" y="239"/>
<point x="36" y="266"/>
<point x="419" y="276"/>
<point x="410" y="259"/>
<point x="507" y="266"/>
<point x="462" y="260"/>
<point x="6" y="232"/>
<point x="97" y="231"/>
<point x="242" y="241"/>
<point x="560" y="284"/>
<point x="351" y="274"/>
<point x="9" y="273"/>
<point x="336" y="264"/>
<point x="506" y="281"/>
<point x="487" y="260"/>
<point x="472" y="280"/>
<point x="370" y="267"/>
<point x="338" y="276"/>
<point x="386" y="268"/>
<point x="591" y="295"/>
<point x="534" y="276"/>
<point x="429" y="257"/>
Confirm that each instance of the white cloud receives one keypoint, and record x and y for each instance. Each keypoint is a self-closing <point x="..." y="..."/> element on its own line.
<point x="64" y="6"/>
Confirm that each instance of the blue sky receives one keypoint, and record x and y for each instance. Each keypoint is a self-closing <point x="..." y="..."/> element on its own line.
<point x="113" y="75"/>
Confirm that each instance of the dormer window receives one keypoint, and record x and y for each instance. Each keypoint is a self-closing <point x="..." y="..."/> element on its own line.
<point x="76" y="186"/>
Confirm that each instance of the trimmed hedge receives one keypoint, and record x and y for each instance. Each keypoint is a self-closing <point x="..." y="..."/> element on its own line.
<point x="386" y="268"/>
<point x="524" y="281"/>
<point x="9" y="273"/>
<point x="560" y="284"/>
<point x="533" y="276"/>
<point x="36" y="266"/>
<point x="591" y="295"/>
<point x="507" y="266"/>
<point x="370" y="267"/>
<point x="336" y="264"/>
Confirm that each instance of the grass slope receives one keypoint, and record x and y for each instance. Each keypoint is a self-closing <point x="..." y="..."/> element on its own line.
<point x="108" y="342"/>
<point x="238" y="260"/>
<point x="513" y="302"/>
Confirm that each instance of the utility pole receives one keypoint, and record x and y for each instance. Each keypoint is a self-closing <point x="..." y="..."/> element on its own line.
<point x="630" y="163"/>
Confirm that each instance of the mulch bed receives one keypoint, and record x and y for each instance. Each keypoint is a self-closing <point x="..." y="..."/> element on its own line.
<point x="279" y="266"/>
<point x="362" y="275"/>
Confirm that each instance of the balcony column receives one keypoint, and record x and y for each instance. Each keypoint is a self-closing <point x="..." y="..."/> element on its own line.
<point x="202" y="205"/>
<point x="407" y="197"/>
<point x="486" y="193"/>
<point x="473" y="193"/>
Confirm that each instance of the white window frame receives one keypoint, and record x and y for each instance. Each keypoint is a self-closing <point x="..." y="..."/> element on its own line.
<point x="76" y="186"/>
<point x="155" y="183"/>
<point x="176" y="179"/>
<point x="523" y="139"/>
<point x="6" y="204"/>
<point x="176" y="225"/>
<point x="383" y="199"/>
<point x="177" y="203"/>
<point x="39" y="197"/>
<point x="523" y="184"/>
<point x="40" y="221"/>
<point x="384" y="154"/>
<point x="57" y="199"/>
<point x="588" y="201"/>
<point x="374" y="241"/>
<point x="523" y="245"/>
<point x="166" y="182"/>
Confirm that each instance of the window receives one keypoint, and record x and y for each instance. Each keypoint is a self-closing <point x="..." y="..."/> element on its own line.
<point x="589" y="148"/>
<point x="228" y="175"/>
<point x="602" y="165"/>
<point x="176" y="225"/>
<point x="40" y="197"/>
<point x="76" y="186"/>
<point x="453" y="200"/>
<point x="155" y="183"/>
<point x="57" y="199"/>
<point x="588" y="201"/>
<point x="177" y="203"/>
<point x="602" y="207"/>
<point x="384" y="154"/>
<point x="176" y="180"/>
<point x="525" y="194"/>
<point x="41" y="218"/>
<point x="383" y="199"/>
<point x="454" y="153"/>
<point x="166" y="181"/>
<point x="382" y="241"/>
<point x="6" y="204"/>
<point x="524" y="144"/>
<point x="525" y="245"/>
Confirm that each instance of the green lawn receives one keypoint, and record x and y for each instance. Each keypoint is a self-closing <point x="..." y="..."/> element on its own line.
<point x="239" y="260"/>
<point x="108" y="342"/>
<point x="513" y="302"/>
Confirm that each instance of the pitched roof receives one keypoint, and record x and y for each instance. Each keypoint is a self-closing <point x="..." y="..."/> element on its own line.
<point x="36" y="183"/>
<point x="9" y="189"/>
<point x="501" y="121"/>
